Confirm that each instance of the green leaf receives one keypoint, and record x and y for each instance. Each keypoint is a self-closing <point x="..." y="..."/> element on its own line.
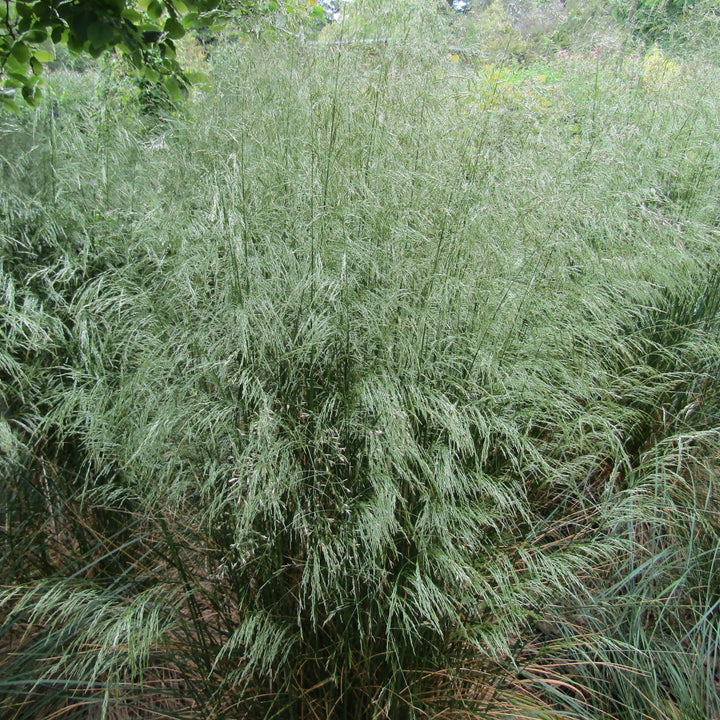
<point x="42" y="55"/>
<point x="74" y="45"/>
<point x="8" y="103"/>
<point x="150" y="74"/>
<point x="150" y="36"/>
<point x="81" y="22"/>
<point x="174" y="28"/>
<point x="15" y="67"/>
<point x="173" y="89"/>
<point x="31" y="94"/>
<point x="216" y="22"/>
<point x="43" y="16"/>
<point x="21" y="52"/>
<point x="35" y="36"/>
<point x="24" y="9"/>
<point x="57" y="34"/>
<point x="196" y="77"/>
<point x="189" y="20"/>
<point x="132" y="15"/>
<point x="36" y="66"/>
<point x="100" y="34"/>
<point x="154" y="10"/>
<point x="94" y="52"/>
<point x="168" y="50"/>
<point x="15" y="80"/>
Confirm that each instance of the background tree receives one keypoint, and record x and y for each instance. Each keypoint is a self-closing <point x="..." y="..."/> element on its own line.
<point x="30" y="28"/>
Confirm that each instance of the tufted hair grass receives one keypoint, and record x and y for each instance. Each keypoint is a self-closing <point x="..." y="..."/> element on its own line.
<point x="382" y="385"/>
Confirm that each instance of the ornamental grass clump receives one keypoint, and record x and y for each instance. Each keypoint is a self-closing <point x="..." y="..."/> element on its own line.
<point x="351" y="401"/>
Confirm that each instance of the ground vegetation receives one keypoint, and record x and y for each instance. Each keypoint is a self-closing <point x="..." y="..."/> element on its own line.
<point x="377" y="378"/>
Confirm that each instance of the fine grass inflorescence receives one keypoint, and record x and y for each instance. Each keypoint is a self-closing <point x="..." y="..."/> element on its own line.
<point x="379" y="381"/>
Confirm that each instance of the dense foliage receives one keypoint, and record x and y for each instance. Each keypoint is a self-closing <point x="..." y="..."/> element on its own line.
<point x="144" y="32"/>
<point x="660" y="20"/>
<point x="381" y="382"/>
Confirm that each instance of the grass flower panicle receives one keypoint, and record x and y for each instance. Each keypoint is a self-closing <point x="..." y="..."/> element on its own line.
<point x="362" y="395"/>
